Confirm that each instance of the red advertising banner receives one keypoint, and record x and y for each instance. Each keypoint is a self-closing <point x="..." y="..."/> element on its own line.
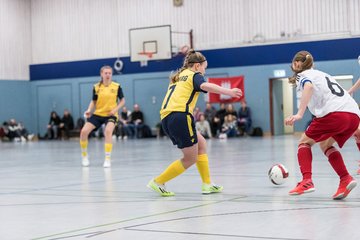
<point x="230" y="82"/>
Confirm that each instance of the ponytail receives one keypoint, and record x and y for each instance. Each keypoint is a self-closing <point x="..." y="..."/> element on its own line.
<point x="306" y="62"/>
<point x="191" y="58"/>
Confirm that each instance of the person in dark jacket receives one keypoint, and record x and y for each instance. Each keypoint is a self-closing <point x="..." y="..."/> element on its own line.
<point x="67" y="124"/>
<point x="244" y="118"/>
<point x="53" y="126"/>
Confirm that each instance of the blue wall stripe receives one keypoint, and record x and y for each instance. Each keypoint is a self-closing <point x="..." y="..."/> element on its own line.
<point x="338" y="49"/>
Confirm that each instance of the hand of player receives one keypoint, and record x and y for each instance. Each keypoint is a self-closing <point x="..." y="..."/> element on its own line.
<point x="291" y="119"/>
<point x="87" y="114"/>
<point x="236" y="92"/>
<point x="112" y="112"/>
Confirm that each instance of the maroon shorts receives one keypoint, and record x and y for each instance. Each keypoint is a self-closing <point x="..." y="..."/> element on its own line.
<point x="338" y="125"/>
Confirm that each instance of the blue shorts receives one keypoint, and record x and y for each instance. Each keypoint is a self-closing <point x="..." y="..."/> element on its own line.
<point x="180" y="127"/>
<point x="97" y="121"/>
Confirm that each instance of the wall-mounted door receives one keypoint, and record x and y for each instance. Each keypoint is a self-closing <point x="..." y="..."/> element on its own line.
<point x="281" y="105"/>
<point x="52" y="98"/>
<point x="149" y="94"/>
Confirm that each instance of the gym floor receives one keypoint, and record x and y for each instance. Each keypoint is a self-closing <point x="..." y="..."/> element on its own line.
<point x="46" y="194"/>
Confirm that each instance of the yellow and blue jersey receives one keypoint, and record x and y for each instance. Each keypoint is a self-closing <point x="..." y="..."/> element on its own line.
<point x="106" y="98"/>
<point x="182" y="95"/>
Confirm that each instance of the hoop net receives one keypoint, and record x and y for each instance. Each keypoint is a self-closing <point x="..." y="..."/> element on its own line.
<point x="148" y="54"/>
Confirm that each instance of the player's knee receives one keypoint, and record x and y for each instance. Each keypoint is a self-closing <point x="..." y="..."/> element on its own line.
<point x="306" y="141"/>
<point x="108" y="132"/>
<point x="202" y="148"/>
<point x="189" y="161"/>
<point x="84" y="133"/>
<point x="357" y="135"/>
<point x="304" y="145"/>
<point x="325" y="146"/>
<point x="201" y="145"/>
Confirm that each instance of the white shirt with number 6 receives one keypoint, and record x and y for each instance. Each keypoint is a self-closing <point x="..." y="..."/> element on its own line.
<point x="328" y="96"/>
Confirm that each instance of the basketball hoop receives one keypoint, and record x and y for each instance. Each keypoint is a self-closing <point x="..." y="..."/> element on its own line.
<point x="148" y="54"/>
<point x="158" y="43"/>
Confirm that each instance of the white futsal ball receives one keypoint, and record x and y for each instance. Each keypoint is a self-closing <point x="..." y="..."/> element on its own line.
<point x="278" y="174"/>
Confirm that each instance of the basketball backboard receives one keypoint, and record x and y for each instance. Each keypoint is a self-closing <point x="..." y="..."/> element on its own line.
<point x="150" y="43"/>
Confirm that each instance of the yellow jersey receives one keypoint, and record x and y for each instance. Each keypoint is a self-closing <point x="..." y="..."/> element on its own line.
<point x="106" y="97"/>
<point x="182" y="95"/>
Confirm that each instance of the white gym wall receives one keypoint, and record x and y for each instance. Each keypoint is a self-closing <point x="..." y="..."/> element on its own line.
<point x="69" y="30"/>
<point x="15" y="39"/>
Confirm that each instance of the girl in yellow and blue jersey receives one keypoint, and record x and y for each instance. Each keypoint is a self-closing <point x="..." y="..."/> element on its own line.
<point x="178" y="122"/>
<point x="107" y="99"/>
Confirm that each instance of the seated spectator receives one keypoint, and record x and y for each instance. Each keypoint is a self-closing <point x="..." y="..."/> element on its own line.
<point x="244" y="119"/>
<point x="203" y="127"/>
<point x="230" y="111"/>
<point x="80" y="122"/>
<point x="53" y="126"/>
<point x="18" y="132"/>
<point x="209" y="114"/>
<point x="219" y="119"/>
<point x="123" y="129"/>
<point x="196" y="114"/>
<point x="4" y="131"/>
<point x="229" y="127"/>
<point x="136" y="124"/>
<point x="66" y="125"/>
<point x="75" y="132"/>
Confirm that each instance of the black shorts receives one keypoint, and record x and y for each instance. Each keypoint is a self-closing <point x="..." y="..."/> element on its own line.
<point x="180" y="127"/>
<point x="97" y="121"/>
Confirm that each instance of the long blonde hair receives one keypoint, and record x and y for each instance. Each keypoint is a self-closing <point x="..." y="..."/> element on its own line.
<point x="191" y="58"/>
<point x="306" y="62"/>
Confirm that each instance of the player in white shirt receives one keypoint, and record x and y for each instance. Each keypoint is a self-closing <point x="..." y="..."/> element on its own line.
<point x="355" y="87"/>
<point x="336" y="119"/>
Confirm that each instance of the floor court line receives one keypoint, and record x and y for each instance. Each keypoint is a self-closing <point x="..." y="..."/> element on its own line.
<point x="131" y="219"/>
<point x="203" y="216"/>
<point x="217" y="235"/>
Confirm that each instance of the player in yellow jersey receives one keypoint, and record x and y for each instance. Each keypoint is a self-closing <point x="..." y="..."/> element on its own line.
<point x="105" y="102"/>
<point x="178" y="122"/>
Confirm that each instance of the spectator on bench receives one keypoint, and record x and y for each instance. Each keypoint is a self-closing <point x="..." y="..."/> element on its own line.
<point x="136" y="121"/>
<point x="203" y="127"/>
<point x="53" y="126"/>
<point x="244" y="118"/>
<point x="219" y="119"/>
<point x="123" y="129"/>
<point x="17" y="131"/>
<point x="209" y="114"/>
<point x="66" y="125"/>
<point x="4" y="131"/>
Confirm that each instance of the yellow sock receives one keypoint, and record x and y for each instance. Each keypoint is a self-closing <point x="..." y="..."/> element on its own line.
<point x="108" y="149"/>
<point x="202" y="165"/>
<point x="173" y="170"/>
<point x="83" y="146"/>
